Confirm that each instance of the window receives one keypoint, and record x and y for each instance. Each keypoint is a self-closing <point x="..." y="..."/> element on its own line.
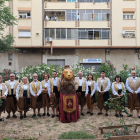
<point x="128" y="15"/>
<point x="129" y="34"/>
<point x="98" y="1"/>
<point x="24" y="33"/>
<point x="71" y="15"/>
<point x="73" y="34"/>
<point x="10" y="56"/>
<point x="24" y="14"/>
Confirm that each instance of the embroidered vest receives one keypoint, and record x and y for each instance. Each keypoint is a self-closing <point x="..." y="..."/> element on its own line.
<point x="35" y="90"/>
<point x="83" y="83"/>
<point x="92" y="85"/>
<point x="116" y="88"/>
<point x="134" y="85"/>
<point x="7" y="83"/>
<point x="22" y="90"/>
<point x="104" y="83"/>
<point x="43" y="86"/>
<point x="3" y="89"/>
<point x="58" y="84"/>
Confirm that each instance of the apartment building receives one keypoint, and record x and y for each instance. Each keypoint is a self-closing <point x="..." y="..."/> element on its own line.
<point x="67" y="31"/>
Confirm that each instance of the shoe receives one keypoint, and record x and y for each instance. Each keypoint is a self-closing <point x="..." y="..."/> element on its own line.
<point x="44" y="114"/>
<point x="116" y="115"/>
<point x="1" y="120"/>
<point x="14" y="116"/>
<point x="121" y="115"/>
<point x="21" y="117"/>
<point x="25" y="116"/>
<point x="129" y="115"/>
<point x="53" y="116"/>
<point x="48" y="114"/>
<point x="91" y="114"/>
<point x="88" y="112"/>
<point x="99" y="113"/>
<point x="34" y="116"/>
<point x="39" y="115"/>
<point x="82" y="114"/>
<point x="106" y="114"/>
<point x="57" y="115"/>
<point x="7" y="117"/>
<point x="139" y="117"/>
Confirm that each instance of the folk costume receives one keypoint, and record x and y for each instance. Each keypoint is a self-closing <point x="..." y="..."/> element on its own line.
<point x="3" y="91"/>
<point x="118" y="89"/>
<point x="80" y="86"/>
<point x="68" y="103"/>
<point x="23" y="94"/>
<point x="11" y="102"/>
<point x="36" y="89"/>
<point x="45" y="95"/>
<point x="133" y="84"/>
<point x="103" y="85"/>
<point x="55" y="92"/>
<point x="90" y="90"/>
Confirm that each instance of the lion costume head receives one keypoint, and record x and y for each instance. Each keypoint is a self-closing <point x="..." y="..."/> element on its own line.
<point x="67" y="81"/>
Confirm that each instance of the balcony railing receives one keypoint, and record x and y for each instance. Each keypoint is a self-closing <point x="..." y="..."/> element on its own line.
<point x="92" y="1"/>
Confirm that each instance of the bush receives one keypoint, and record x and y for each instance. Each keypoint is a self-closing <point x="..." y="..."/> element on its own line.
<point x="76" y="135"/>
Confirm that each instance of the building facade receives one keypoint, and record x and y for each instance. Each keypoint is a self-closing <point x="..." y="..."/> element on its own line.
<point x="67" y="31"/>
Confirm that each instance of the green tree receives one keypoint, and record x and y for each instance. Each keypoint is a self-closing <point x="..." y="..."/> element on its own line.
<point x="6" y="19"/>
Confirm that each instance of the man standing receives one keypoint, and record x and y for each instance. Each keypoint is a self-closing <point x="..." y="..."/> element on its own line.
<point x="103" y="86"/>
<point x="36" y="89"/>
<point x="80" y="87"/>
<point x="55" y="93"/>
<point x="133" y="86"/>
<point x="11" y="103"/>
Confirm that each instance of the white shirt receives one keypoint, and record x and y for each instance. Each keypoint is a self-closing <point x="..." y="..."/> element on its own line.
<point x="80" y="81"/>
<point x="128" y="88"/>
<point x="39" y="92"/>
<point x="25" y="86"/>
<point x="48" y="86"/>
<point x="108" y="85"/>
<point x="119" y="86"/>
<point x="54" y="81"/>
<point x="6" y="92"/>
<point x="12" y="83"/>
<point x="88" y="83"/>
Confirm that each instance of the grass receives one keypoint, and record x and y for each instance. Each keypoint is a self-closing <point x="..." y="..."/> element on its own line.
<point x="76" y="135"/>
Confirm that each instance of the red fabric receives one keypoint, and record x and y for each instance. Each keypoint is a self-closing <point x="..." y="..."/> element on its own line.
<point x="66" y="117"/>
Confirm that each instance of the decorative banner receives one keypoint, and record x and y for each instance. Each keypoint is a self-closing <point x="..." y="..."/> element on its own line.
<point x="91" y="60"/>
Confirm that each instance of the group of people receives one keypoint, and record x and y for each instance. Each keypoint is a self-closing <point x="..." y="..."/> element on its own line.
<point x="24" y="95"/>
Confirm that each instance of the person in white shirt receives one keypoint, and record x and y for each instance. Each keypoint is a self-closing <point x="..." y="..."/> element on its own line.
<point x="3" y="94"/>
<point x="36" y="98"/>
<point x="55" y="93"/>
<point x="46" y="93"/>
<point x="90" y="93"/>
<point x="11" y="102"/>
<point x="23" y="97"/>
<point x="118" y="90"/>
<point x="133" y="86"/>
<point x="80" y="87"/>
<point x="103" y="87"/>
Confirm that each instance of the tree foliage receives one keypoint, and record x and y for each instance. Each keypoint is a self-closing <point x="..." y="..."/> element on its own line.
<point x="6" y="19"/>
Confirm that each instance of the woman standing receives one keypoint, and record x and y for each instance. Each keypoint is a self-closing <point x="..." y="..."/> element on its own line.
<point x="23" y="97"/>
<point x="90" y="93"/>
<point x="3" y="94"/>
<point x="118" y="90"/>
<point x="46" y="93"/>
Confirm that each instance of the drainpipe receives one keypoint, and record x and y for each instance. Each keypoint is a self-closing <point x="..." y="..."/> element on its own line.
<point x="51" y="47"/>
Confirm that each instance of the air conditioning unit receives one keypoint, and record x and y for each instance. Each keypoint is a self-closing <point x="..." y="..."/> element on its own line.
<point x="49" y="39"/>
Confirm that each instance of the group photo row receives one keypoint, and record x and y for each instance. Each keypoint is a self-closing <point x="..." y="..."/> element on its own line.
<point x="66" y="94"/>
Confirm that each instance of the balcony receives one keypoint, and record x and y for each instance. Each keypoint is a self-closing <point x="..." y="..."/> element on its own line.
<point x="74" y="5"/>
<point x="24" y="22"/>
<point x="77" y="18"/>
<point x="129" y="23"/>
<point x="78" y="44"/>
